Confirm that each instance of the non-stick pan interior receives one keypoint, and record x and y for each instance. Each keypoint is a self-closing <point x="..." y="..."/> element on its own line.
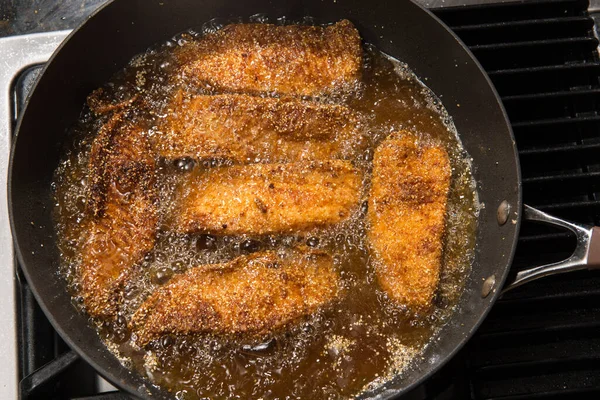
<point x="109" y="39"/>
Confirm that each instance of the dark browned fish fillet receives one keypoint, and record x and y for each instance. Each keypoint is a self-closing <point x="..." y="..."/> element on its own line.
<point x="248" y="129"/>
<point x="123" y="202"/>
<point x="293" y="59"/>
<point x="407" y="210"/>
<point x="266" y="198"/>
<point x="120" y="155"/>
<point x="253" y="294"/>
<point x="100" y="102"/>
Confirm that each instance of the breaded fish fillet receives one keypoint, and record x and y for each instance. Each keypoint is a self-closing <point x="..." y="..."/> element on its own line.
<point x="121" y="156"/>
<point x="292" y="59"/>
<point x="100" y="102"/>
<point x="407" y="210"/>
<point x="252" y="294"/>
<point x="124" y="214"/>
<point x="248" y="129"/>
<point x="266" y="198"/>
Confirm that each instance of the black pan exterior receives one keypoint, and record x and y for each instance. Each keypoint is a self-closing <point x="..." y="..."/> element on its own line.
<point x="123" y="28"/>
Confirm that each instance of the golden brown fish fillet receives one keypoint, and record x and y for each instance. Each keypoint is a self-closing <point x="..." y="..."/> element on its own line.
<point x="252" y="294"/>
<point x="407" y="210"/>
<point x="124" y="214"/>
<point x="266" y="198"/>
<point x="248" y="129"/>
<point x="293" y="59"/>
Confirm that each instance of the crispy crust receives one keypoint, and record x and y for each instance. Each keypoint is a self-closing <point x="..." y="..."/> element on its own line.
<point x="101" y="102"/>
<point x="247" y="129"/>
<point x="293" y="59"/>
<point x="253" y="294"/>
<point x="406" y="214"/>
<point x="123" y="204"/>
<point x="267" y="198"/>
<point x="120" y="155"/>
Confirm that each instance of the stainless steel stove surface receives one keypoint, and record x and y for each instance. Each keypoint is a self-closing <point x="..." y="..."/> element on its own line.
<point x="540" y="341"/>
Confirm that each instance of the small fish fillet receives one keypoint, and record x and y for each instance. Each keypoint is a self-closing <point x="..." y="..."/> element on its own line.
<point x="407" y="210"/>
<point x="247" y="129"/>
<point x="292" y="59"/>
<point x="266" y="198"/>
<point x="253" y="294"/>
<point x="123" y="205"/>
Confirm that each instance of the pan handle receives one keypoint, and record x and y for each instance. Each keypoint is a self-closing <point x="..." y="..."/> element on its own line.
<point x="585" y="256"/>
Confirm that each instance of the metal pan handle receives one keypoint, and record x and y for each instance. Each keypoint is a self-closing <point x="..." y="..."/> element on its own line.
<point x="585" y="256"/>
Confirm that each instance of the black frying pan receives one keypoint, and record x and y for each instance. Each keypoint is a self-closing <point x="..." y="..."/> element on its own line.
<point x="123" y="28"/>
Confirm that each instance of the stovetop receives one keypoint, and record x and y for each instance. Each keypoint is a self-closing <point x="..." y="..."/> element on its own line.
<point x="540" y="341"/>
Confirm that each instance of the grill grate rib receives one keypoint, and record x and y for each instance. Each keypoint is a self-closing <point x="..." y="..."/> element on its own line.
<point x="540" y="341"/>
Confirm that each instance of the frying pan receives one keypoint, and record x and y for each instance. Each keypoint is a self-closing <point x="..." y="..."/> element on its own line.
<point x="123" y="28"/>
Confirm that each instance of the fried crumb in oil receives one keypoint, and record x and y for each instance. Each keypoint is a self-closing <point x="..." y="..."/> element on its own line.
<point x="150" y="361"/>
<point x="400" y="358"/>
<point x="400" y="355"/>
<point x="337" y="344"/>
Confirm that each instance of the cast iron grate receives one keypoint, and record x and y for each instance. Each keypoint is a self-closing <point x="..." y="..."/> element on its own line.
<point x="539" y="342"/>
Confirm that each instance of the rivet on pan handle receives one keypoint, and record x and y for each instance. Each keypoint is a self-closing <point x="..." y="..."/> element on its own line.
<point x="585" y="256"/>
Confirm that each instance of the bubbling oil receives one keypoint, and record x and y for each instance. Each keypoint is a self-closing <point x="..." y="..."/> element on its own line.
<point x="356" y="344"/>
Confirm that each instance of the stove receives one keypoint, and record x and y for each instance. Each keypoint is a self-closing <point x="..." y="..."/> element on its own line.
<point x="539" y="341"/>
